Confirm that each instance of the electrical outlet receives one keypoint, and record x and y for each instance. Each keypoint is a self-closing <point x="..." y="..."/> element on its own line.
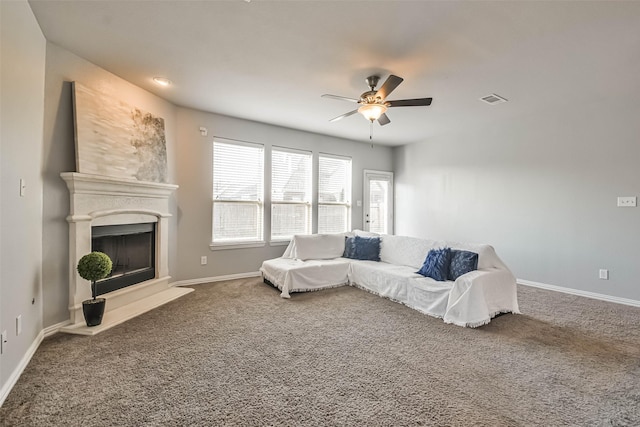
<point x="203" y="260"/>
<point x="604" y="274"/>
<point x="19" y="325"/>
<point x="627" y="202"/>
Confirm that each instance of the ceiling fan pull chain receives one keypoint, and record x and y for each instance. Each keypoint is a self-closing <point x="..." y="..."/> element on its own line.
<point x="371" y="130"/>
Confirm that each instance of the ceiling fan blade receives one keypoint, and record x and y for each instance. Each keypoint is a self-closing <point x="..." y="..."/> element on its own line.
<point x="340" y="98"/>
<point x="350" y="113"/>
<point x="389" y="85"/>
<point x="383" y="120"/>
<point x="410" y="102"/>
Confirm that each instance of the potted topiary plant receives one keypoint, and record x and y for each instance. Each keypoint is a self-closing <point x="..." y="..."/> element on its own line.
<point x="93" y="267"/>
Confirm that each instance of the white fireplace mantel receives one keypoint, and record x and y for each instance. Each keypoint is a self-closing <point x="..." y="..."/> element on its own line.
<point x="100" y="200"/>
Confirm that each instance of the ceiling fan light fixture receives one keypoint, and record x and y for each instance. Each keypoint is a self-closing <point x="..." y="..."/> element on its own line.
<point x="373" y="104"/>
<point x="372" y="112"/>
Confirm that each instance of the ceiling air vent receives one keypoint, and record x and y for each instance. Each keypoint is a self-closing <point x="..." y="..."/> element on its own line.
<point x="493" y="99"/>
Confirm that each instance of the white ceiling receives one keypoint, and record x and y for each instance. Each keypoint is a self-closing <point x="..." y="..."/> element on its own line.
<point x="270" y="61"/>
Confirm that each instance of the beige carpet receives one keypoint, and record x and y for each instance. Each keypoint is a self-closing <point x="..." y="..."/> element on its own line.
<point x="235" y="353"/>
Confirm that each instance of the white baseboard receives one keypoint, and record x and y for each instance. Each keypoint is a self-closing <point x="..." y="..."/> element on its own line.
<point x="587" y="294"/>
<point x="13" y="379"/>
<point x="189" y="282"/>
<point x="53" y="329"/>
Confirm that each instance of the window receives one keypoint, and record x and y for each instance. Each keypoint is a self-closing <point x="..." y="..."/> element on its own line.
<point x="290" y="193"/>
<point x="334" y="194"/>
<point x="238" y="190"/>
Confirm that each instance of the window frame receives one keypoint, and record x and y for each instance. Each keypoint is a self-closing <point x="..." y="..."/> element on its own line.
<point x="259" y="202"/>
<point x="308" y="203"/>
<point x="265" y="204"/>
<point x="348" y="192"/>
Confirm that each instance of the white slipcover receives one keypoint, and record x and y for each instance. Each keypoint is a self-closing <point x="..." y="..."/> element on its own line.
<point x="316" y="246"/>
<point x="386" y="280"/>
<point x="404" y="250"/>
<point x="471" y="300"/>
<point x="294" y="275"/>
<point x="478" y="296"/>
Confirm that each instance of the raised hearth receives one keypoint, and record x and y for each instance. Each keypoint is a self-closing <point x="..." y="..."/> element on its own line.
<point x="105" y="201"/>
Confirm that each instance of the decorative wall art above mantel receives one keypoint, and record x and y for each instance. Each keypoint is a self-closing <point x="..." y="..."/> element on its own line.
<point x="116" y="139"/>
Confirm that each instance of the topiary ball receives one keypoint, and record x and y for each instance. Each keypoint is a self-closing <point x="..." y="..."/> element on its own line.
<point x="95" y="266"/>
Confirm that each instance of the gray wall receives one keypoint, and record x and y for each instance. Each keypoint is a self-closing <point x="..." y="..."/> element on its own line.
<point x="195" y="180"/>
<point x="189" y="157"/>
<point x="22" y="87"/>
<point x="542" y="189"/>
<point x="63" y="67"/>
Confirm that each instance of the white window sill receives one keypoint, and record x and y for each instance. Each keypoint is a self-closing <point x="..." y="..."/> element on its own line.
<point x="237" y="245"/>
<point x="279" y="242"/>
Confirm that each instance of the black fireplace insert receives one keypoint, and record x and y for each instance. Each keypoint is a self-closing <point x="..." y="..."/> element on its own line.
<point x="131" y="248"/>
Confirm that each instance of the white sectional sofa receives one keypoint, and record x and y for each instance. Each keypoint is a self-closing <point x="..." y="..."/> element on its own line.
<point x="314" y="262"/>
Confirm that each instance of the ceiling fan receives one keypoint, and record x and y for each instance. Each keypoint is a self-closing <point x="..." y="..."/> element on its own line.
<point x="373" y="103"/>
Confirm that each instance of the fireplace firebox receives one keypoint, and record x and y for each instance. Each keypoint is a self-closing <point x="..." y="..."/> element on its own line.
<point x="131" y="248"/>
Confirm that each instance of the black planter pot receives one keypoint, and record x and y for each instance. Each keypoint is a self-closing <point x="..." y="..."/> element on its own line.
<point x="93" y="309"/>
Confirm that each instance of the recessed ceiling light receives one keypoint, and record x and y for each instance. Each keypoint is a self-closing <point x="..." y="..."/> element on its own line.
<point x="162" y="81"/>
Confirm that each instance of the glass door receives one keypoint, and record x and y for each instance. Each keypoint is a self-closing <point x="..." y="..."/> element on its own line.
<point x="378" y="202"/>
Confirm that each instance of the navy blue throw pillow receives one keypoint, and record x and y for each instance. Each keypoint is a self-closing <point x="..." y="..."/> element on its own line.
<point x="461" y="263"/>
<point x="349" y="247"/>
<point x="366" y="248"/>
<point x="436" y="265"/>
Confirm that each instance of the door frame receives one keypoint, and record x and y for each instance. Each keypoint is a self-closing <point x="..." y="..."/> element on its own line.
<point x="369" y="174"/>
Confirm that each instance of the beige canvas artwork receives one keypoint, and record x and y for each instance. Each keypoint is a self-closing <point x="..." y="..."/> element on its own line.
<point x="116" y="139"/>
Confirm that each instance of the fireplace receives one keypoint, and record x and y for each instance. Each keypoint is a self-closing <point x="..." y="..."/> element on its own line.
<point x="131" y="249"/>
<point x="129" y="221"/>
